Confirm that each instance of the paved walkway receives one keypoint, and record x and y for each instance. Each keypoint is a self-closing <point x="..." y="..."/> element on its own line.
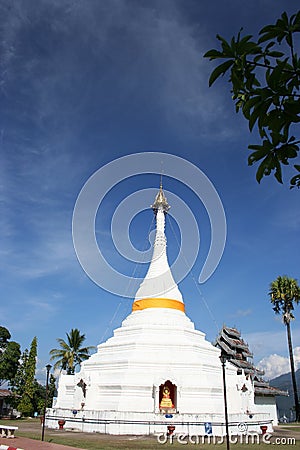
<point x="32" y="444"/>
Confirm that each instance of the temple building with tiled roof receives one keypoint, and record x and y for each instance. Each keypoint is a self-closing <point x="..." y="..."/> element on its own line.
<point x="7" y="411"/>
<point x="237" y="353"/>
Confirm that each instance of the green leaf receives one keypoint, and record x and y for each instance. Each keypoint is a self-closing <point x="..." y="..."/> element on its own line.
<point x="295" y="181"/>
<point x="263" y="119"/>
<point x="290" y="151"/>
<point x="292" y="109"/>
<point x="267" y="29"/>
<point x="275" y="54"/>
<point x="220" y="70"/>
<point x="245" y="46"/>
<point x="269" y="45"/>
<point x="278" y="172"/>
<point x="213" y="54"/>
<point x="296" y="21"/>
<point x="246" y="38"/>
<point x="274" y="78"/>
<point x="267" y="36"/>
<point x="237" y="81"/>
<point x="254" y="116"/>
<point x="264" y="168"/>
<point x="227" y="50"/>
<point x="249" y="104"/>
<point x="256" y="156"/>
<point x="258" y="58"/>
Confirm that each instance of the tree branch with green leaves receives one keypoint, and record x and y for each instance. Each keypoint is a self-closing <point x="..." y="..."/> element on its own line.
<point x="265" y="80"/>
<point x="9" y="356"/>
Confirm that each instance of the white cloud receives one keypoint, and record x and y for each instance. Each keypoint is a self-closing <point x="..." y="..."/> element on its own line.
<point x="275" y="365"/>
<point x="41" y="373"/>
<point x="297" y="356"/>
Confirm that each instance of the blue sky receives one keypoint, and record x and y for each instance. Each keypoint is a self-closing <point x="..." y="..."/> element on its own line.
<point x="84" y="82"/>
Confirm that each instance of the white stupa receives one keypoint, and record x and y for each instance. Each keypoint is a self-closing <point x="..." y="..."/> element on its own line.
<point x="157" y="370"/>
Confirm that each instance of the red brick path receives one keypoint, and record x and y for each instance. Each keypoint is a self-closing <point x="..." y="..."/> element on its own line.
<point x="32" y="444"/>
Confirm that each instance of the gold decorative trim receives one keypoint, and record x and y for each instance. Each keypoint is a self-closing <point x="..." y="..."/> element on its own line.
<point x="139" y="305"/>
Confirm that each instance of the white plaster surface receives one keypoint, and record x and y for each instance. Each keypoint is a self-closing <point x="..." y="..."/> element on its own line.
<point x="151" y="347"/>
<point x="159" y="281"/>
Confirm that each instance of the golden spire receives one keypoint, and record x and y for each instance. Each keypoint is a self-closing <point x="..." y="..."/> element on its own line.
<point x="160" y="201"/>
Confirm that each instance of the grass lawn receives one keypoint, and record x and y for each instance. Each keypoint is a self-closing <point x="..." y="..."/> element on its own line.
<point x="31" y="428"/>
<point x="291" y="427"/>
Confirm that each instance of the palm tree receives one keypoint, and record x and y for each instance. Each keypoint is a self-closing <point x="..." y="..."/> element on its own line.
<point x="284" y="293"/>
<point x="70" y="353"/>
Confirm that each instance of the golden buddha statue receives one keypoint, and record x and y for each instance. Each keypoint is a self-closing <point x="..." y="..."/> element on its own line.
<point x="166" y="401"/>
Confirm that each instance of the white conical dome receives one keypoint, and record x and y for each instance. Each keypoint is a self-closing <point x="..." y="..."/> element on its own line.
<point x="159" y="287"/>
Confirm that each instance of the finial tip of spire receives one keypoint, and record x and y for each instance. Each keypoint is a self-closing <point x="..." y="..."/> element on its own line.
<point x="160" y="199"/>
<point x="161" y="174"/>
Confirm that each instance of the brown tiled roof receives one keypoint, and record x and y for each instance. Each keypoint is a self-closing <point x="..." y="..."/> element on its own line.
<point x="5" y="393"/>
<point x="233" y="341"/>
<point x="232" y="332"/>
<point x="262" y="387"/>
<point x="237" y="351"/>
<point x="224" y="346"/>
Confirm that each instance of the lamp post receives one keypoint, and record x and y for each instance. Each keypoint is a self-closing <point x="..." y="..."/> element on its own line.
<point x="48" y="367"/>
<point x="223" y="359"/>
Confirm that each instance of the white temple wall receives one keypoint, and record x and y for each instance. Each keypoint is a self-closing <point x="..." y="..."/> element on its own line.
<point x="199" y="395"/>
<point x="243" y="394"/>
<point x="66" y="391"/>
<point x="127" y="371"/>
<point x="145" y="423"/>
<point x="267" y="404"/>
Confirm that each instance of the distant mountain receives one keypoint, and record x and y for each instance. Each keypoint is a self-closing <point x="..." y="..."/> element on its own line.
<point x="284" y="382"/>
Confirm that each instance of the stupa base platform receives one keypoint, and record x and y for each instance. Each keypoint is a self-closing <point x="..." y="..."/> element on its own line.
<point x="140" y="423"/>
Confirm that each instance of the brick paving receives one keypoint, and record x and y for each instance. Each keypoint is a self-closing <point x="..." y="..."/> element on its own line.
<point x="32" y="444"/>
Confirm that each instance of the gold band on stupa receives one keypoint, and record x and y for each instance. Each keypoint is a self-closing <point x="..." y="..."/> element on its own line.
<point x="139" y="305"/>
